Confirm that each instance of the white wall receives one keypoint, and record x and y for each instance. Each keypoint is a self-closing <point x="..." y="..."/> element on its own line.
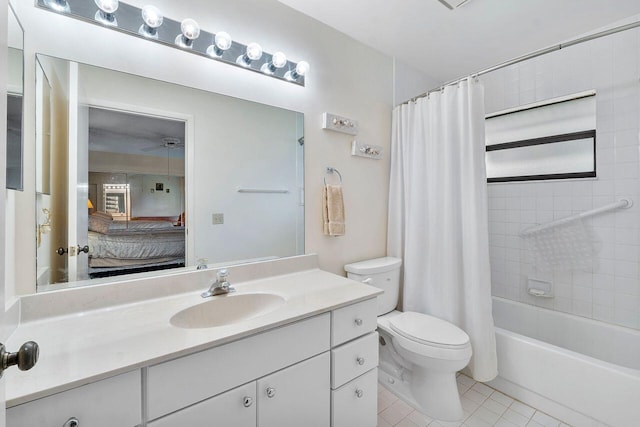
<point x="346" y="78"/>
<point x="15" y="70"/>
<point x="158" y="203"/>
<point x="101" y="161"/>
<point x="610" y="289"/>
<point x="409" y="82"/>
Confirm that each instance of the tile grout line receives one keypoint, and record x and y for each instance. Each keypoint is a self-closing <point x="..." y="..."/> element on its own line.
<point x="487" y="417"/>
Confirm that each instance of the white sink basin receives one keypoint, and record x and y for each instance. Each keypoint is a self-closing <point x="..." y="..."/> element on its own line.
<point x="226" y="309"/>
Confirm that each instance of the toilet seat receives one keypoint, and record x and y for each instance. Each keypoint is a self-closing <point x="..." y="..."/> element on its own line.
<point x="428" y="330"/>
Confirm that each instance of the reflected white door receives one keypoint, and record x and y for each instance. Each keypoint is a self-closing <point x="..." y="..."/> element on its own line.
<point x="78" y="191"/>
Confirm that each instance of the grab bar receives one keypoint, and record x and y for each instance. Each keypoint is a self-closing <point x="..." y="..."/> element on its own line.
<point x="622" y="203"/>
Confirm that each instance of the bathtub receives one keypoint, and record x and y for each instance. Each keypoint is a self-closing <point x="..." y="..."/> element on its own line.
<point x="581" y="371"/>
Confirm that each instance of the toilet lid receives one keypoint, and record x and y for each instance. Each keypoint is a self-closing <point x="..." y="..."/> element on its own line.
<point x="428" y="330"/>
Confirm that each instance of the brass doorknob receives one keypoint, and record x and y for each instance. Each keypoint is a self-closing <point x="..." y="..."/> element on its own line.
<point x="25" y="358"/>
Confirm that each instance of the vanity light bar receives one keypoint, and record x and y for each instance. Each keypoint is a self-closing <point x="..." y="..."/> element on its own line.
<point x="149" y="23"/>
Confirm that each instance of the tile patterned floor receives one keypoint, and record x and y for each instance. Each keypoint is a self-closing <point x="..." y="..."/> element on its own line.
<point x="482" y="405"/>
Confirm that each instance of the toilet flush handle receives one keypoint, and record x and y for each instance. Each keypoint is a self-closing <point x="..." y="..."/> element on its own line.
<point x="367" y="281"/>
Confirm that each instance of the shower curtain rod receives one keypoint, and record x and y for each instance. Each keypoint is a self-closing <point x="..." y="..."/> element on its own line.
<point x="532" y="55"/>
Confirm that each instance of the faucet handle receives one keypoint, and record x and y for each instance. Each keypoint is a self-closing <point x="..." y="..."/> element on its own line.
<point x="222" y="275"/>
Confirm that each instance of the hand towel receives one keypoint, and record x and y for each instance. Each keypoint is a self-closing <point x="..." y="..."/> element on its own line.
<point x="333" y="210"/>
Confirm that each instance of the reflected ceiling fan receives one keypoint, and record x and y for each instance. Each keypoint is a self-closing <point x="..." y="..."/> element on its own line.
<point x="168" y="143"/>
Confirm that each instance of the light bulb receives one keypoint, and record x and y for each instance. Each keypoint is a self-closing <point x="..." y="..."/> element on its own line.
<point x="190" y="31"/>
<point x="58" y="5"/>
<point x="107" y="6"/>
<point x="106" y="14"/>
<point x="302" y="68"/>
<point x="152" y="17"/>
<point x="253" y="53"/>
<point x="278" y="60"/>
<point x="221" y="42"/>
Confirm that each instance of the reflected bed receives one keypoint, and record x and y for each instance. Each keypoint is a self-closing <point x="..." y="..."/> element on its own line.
<point x="136" y="246"/>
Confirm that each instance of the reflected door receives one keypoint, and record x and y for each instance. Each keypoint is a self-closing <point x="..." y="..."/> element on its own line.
<point x="78" y="266"/>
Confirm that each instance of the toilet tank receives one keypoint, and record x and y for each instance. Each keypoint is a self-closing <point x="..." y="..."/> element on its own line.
<point x="383" y="273"/>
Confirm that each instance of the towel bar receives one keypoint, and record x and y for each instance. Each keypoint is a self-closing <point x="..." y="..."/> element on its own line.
<point x="332" y="170"/>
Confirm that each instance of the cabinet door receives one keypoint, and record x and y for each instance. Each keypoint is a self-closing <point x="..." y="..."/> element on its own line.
<point x="235" y="408"/>
<point x="296" y="396"/>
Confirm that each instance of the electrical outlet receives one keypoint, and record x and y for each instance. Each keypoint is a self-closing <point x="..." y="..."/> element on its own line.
<point x="217" y="218"/>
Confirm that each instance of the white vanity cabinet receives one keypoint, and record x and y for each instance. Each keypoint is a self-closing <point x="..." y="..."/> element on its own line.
<point x="315" y="372"/>
<point x="112" y="402"/>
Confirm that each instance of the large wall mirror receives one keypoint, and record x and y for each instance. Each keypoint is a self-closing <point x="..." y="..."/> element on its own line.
<point x="139" y="176"/>
<point x="15" y="70"/>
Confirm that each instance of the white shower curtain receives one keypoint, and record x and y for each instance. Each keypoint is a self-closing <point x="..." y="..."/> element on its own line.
<point x="438" y="214"/>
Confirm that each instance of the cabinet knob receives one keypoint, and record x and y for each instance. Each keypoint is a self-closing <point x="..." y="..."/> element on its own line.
<point x="359" y="393"/>
<point x="360" y="361"/>
<point x="358" y="322"/>
<point x="25" y="358"/>
<point x="247" y="401"/>
<point x="72" y="422"/>
<point x="271" y="392"/>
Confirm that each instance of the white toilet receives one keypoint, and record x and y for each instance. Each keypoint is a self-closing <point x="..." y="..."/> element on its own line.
<point x="419" y="354"/>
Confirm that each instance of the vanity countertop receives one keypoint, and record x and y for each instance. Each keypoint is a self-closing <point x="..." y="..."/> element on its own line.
<point x="83" y="347"/>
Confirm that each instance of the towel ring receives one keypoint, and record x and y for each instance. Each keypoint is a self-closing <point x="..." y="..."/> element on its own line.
<point x="332" y="170"/>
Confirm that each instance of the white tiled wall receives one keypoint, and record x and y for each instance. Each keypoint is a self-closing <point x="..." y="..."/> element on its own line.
<point x="610" y="289"/>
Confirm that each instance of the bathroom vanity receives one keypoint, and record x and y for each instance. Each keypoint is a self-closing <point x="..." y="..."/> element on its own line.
<point x="309" y="360"/>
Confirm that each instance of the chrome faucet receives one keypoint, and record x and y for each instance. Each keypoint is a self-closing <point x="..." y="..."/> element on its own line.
<point x="221" y="286"/>
<point x="201" y="264"/>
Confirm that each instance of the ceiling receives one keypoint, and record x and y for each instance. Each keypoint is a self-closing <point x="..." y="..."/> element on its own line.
<point x="118" y="132"/>
<point x="446" y="44"/>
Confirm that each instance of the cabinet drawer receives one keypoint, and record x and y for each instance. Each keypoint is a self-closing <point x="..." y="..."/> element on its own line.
<point x="355" y="404"/>
<point x="235" y="407"/>
<point x="112" y="402"/>
<point x="182" y="382"/>
<point x="353" y="321"/>
<point x="353" y="359"/>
